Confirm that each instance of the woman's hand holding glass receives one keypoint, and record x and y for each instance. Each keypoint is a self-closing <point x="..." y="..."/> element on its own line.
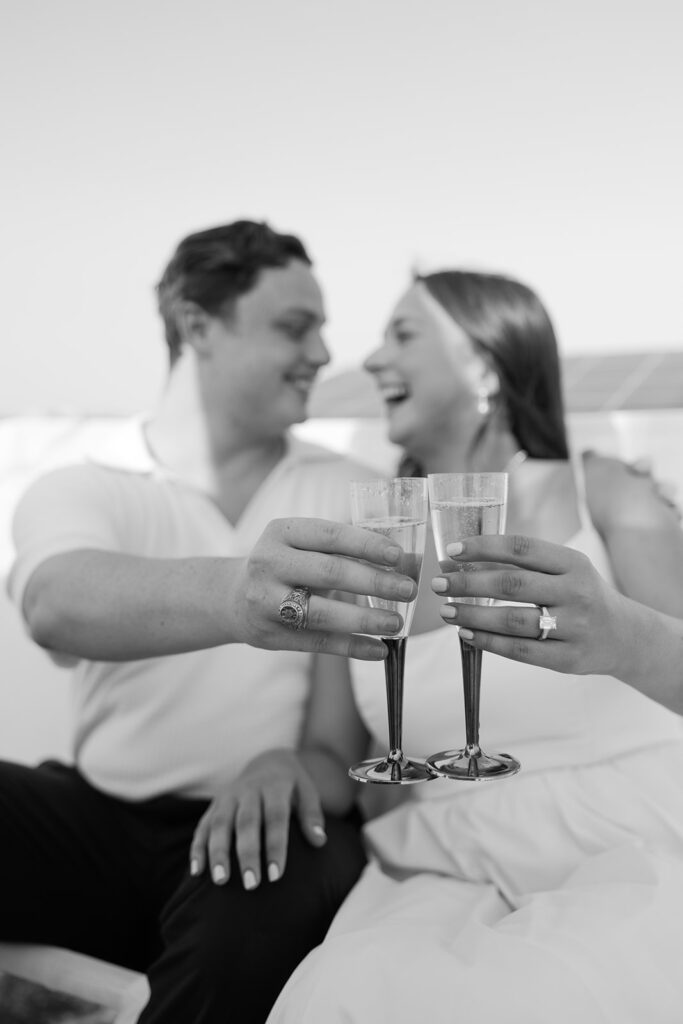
<point x="255" y="810"/>
<point x="599" y="630"/>
<point x="537" y="574"/>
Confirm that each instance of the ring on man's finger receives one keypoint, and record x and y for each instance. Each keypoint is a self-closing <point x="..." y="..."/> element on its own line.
<point x="546" y="623"/>
<point x="293" y="610"/>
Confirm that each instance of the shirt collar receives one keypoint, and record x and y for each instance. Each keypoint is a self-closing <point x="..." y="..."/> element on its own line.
<point x="126" y="448"/>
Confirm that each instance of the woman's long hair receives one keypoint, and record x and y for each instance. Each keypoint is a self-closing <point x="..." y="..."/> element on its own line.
<point x="509" y="327"/>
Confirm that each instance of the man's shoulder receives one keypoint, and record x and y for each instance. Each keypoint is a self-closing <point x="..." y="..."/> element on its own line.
<point x="84" y="484"/>
<point x="70" y="476"/>
<point x="84" y="473"/>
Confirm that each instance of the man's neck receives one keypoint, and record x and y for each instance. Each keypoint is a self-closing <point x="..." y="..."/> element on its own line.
<point x="181" y="440"/>
<point x="177" y="432"/>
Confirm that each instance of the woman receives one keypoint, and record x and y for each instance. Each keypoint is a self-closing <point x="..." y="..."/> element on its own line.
<point x="560" y="892"/>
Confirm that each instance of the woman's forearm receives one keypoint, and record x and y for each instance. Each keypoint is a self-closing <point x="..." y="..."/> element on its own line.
<point x="648" y="566"/>
<point x="650" y="654"/>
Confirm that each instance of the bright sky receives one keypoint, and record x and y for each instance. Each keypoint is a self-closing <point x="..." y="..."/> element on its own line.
<point x="543" y="139"/>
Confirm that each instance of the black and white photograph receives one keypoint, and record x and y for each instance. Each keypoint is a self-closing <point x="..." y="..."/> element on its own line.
<point x="341" y="506"/>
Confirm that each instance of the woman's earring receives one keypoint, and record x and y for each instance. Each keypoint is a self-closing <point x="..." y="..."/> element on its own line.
<point x="483" y="404"/>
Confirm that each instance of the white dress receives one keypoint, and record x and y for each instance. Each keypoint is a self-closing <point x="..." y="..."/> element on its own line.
<point x="552" y="897"/>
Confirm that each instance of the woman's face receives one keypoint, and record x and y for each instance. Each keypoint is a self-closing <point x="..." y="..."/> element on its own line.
<point x="427" y="372"/>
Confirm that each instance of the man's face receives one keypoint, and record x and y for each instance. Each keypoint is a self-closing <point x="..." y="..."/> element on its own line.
<point x="263" y="359"/>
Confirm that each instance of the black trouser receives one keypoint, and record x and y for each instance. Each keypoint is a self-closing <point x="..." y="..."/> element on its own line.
<point x="110" y="878"/>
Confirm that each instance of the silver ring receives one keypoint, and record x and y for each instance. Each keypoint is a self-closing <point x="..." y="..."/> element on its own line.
<point x="293" y="610"/>
<point x="546" y="623"/>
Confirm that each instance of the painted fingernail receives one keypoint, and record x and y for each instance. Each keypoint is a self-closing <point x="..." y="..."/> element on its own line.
<point x="455" y="548"/>
<point x="273" y="872"/>
<point x="466" y="634"/>
<point x="194" y="867"/>
<point x="318" y="831"/>
<point x="449" y="611"/>
<point x="406" y="588"/>
<point x="249" y="880"/>
<point x="439" y="584"/>
<point x="219" y="874"/>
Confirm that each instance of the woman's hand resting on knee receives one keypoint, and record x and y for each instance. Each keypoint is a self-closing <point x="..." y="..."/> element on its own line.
<point x="255" y="810"/>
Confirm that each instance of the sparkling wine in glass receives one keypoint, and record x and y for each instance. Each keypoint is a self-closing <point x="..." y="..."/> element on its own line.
<point x="398" y="510"/>
<point x="464" y="505"/>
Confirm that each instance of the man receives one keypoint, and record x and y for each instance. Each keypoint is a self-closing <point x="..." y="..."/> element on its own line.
<point x="142" y="578"/>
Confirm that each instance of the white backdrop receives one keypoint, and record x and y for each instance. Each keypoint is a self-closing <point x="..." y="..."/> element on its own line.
<point x="542" y="139"/>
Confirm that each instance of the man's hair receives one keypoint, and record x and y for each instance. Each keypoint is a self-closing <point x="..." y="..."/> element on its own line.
<point x="214" y="267"/>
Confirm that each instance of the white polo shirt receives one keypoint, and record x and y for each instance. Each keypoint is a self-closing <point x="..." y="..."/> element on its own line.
<point x="183" y="723"/>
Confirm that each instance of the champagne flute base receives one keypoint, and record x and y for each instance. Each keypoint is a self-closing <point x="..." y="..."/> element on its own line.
<point x="392" y="773"/>
<point x="472" y="765"/>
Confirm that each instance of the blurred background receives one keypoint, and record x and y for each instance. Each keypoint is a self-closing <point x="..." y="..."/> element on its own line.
<point x="538" y="139"/>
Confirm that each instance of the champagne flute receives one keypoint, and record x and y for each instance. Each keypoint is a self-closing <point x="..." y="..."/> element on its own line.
<point x="397" y="509"/>
<point x="463" y="505"/>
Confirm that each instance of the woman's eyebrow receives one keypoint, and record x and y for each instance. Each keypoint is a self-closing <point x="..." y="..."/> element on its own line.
<point x="403" y="321"/>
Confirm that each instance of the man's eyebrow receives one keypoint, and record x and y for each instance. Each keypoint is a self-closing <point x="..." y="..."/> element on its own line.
<point x="301" y="311"/>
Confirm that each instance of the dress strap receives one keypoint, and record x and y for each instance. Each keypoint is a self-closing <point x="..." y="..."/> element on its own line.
<point x="579" y="471"/>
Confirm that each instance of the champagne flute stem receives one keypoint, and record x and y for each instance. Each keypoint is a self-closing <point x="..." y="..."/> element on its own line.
<point x="471" y="681"/>
<point x="393" y="672"/>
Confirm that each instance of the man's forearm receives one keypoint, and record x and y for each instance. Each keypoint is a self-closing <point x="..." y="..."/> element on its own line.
<point x="108" y="606"/>
<point x="114" y="607"/>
